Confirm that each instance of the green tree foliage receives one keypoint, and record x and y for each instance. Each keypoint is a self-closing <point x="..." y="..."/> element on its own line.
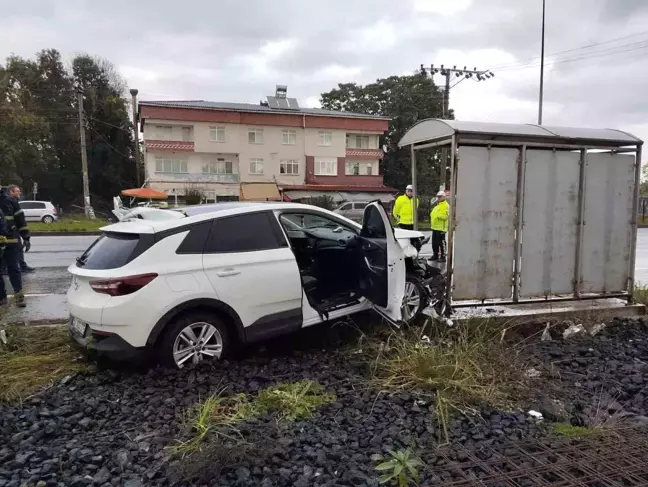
<point x="39" y="133"/>
<point x="407" y="100"/>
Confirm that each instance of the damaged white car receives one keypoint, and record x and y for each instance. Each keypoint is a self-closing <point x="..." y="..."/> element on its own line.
<point x="190" y="288"/>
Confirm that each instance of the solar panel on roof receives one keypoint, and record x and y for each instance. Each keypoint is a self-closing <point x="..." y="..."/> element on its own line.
<point x="283" y="103"/>
<point x="272" y="102"/>
<point x="292" y="103"/>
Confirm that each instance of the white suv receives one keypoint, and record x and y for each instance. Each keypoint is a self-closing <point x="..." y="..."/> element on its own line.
<point x="39" y="211"/>
<point x="194" y="287"/>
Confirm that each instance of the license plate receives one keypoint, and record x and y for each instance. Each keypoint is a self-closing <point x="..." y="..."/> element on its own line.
<point x="79" y="326"/>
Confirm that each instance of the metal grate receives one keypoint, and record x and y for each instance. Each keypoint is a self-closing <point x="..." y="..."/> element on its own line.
<point x="619" y="459"/>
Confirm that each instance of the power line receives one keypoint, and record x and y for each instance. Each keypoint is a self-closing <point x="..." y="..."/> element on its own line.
<point x="110" y="145"/>
<point x="537" y="58"/>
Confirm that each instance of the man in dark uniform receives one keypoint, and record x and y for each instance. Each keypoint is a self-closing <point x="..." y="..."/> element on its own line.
<point x="15" y="228"/>
<point x="14" y="192"/>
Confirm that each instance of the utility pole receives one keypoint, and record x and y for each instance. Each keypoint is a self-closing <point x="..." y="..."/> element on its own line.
<point x="133" y="93"/>
<point x="449" y="73"/>
<point x="541" y="66"/>
<point x="89" y="213"/>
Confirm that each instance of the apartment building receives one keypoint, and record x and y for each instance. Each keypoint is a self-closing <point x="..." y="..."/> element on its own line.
<point x="296" y="152"/>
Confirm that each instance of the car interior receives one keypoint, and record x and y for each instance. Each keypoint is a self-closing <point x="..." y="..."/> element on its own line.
<point x="327" y="257"/>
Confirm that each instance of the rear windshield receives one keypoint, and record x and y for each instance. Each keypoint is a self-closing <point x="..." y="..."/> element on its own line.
<point x="110" y="251"/>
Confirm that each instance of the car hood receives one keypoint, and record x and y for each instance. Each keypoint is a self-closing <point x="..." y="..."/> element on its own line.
<point x="401" y="233"/>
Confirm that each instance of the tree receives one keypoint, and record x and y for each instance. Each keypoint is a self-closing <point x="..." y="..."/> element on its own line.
<point x="407" y="100"/>
<point x="39" y="136"/>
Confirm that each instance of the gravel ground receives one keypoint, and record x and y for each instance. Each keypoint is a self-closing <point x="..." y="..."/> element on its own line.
<point x="113" y="428"/>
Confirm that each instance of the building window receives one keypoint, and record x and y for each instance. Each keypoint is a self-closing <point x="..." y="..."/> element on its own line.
<point x="325" y="138"/>
<point x="289" y="137"/>
<point x="256" y="166"/>
<point x="357" y="141"/>
<point x="170" y="164"/>
<point x="217" y="134"/>
<point x="289" y="166"/>
<point x="221" y="166"/>
<point x="369" y="169"/>
<point x="255" y="136"/>
<point x="325" y="167"/>
<point x="163" y="132"/>
<point x="186" y="134"/>
<point x="352" y="168"/>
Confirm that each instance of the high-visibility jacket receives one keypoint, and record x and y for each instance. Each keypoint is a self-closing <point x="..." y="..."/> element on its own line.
<point x="439" y="216"/>
<point x="403" y="209"/>
<point x="14" y="217"/>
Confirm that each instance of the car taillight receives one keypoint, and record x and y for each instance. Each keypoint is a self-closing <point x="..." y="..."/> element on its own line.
<point x="54" y="210"/>
<point x="123" y="285"/>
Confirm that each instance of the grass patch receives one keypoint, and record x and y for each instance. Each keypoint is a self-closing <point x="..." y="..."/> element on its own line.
<point x="463" y="366"/>
<point x="219" y="415"/>
<point x="570" y="431"/>
<point x="69" y="225"/>
<point x="640" y="294"/>
<point x="33" y="358"/>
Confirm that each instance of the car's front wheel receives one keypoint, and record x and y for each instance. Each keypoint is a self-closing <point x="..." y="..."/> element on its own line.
<point x="194" y="338"/>
<point x="414" y="299"/>
<point x="48" y="219"/>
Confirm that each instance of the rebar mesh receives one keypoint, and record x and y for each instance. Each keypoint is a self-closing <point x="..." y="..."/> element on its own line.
<point x="610" y="459"/>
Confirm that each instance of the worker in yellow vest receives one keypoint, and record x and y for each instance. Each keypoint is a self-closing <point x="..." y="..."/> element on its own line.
<point x="404" y="209"/>
<point x="439" y="217"/>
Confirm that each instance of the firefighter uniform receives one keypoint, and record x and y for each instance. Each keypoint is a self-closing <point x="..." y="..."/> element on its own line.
<point x="13" y="228"/>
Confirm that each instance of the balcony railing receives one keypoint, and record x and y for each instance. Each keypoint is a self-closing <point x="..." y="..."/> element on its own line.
<point x="200" y="177"/>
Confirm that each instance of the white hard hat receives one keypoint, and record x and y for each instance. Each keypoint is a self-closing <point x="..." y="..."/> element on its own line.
<point x="441" y="193"/>
<point x="408" y="187"/>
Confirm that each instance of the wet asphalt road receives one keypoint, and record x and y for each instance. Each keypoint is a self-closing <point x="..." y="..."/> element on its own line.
<point x="51" y="256"/>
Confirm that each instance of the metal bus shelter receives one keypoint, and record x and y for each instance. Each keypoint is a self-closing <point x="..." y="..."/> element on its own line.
<point x="538" y="213"/>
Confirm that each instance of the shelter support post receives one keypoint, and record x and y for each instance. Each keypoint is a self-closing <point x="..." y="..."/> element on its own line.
<point x="519" y="222"/>
<point x="578" y="259"/>
<point x="451" y="222"/>
<point x="633" y="243"/>
<point x="414" y="188"/>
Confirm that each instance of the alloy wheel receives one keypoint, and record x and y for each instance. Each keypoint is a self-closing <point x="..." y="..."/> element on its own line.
<point x="411" y="301"/>
<point x="197" y="342"/>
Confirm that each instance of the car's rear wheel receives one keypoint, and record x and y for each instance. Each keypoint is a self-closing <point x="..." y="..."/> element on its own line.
<point x="48" y="219"/>
<point x="194" y="338"/>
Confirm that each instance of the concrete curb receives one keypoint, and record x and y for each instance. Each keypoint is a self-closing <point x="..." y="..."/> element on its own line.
<point x="64" y="234"/>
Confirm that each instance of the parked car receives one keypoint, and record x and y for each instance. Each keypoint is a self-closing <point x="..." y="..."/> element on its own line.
<point x="39" y="211"/>
<point x="352" y="209"/>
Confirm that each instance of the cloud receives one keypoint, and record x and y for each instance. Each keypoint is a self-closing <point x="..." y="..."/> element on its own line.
<point x="238" y="51"/>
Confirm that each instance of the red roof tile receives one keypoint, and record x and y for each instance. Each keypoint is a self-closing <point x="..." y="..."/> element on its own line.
<point x="169" y="145"/>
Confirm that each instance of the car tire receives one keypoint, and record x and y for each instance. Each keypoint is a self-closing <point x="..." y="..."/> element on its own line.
<point x="48" y="219"/>
<point x="415" y="299"/>
<point x="187" y="329"/>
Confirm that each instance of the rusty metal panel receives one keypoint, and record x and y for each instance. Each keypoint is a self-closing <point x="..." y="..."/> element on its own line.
<point x="550" y="223"/>
<point x="484" y="238"/>
<point x="607" y="232"/>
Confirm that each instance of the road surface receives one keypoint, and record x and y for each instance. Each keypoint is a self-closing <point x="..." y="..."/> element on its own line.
<point x="51" y="256"/>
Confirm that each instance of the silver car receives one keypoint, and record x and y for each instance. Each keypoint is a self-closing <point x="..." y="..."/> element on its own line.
<point x="39" y="211"/>
<point x="352" y="209"/>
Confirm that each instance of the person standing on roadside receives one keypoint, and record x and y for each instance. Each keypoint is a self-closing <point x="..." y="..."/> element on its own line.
<point x="439" y="217"/>
<point x="16" y="235"/>
<point x="15" y="193"/>
<point x="404" y="209"/>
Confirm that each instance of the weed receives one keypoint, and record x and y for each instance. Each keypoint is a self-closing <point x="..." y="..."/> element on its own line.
<point x="218" y="415"/>
<point x="640" y="294"/>
<point x="468" y="364"/>
<point x="400" y="470"/>
<point x="293" y="400"/>
<point x="569" y="431"/>
<point x="33" y="358"/>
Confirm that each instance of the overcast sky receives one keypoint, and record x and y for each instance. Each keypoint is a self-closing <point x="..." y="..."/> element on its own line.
<point x="227" y="50"/>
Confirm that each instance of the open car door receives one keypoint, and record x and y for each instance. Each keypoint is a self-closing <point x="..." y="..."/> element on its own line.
<point x="382" y="266"/>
